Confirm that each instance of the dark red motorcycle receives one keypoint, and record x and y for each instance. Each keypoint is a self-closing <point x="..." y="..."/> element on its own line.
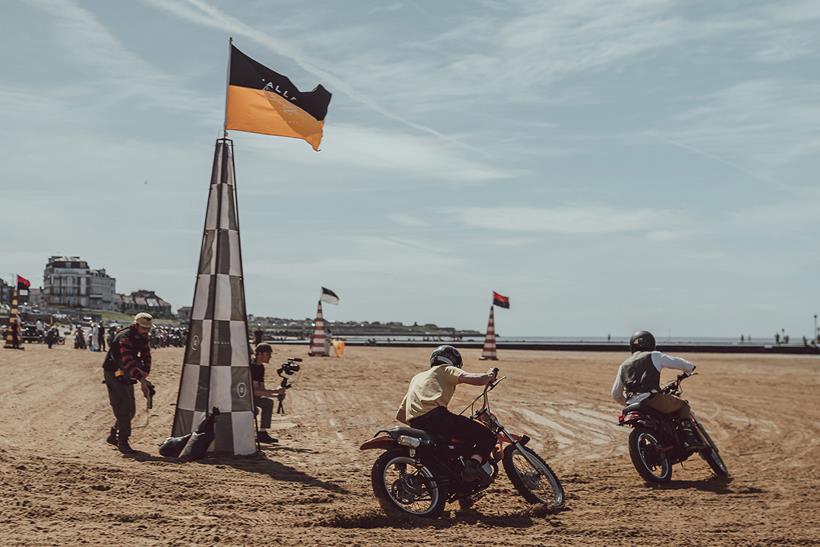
<point x="418" y="473"/>
<point x="657" y="442"/>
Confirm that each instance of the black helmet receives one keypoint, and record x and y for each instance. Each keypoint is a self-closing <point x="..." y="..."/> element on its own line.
<point x="642" y="341"/>
<point x="445" y="355"/>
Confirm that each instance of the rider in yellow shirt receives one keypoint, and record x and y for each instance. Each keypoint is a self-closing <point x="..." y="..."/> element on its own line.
<point x="425" y="407"/>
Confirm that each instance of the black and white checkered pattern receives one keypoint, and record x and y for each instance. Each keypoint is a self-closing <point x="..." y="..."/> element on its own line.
<point x="216" y="368"/>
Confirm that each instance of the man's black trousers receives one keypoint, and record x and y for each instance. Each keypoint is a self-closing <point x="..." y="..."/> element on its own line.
<point x="440" y="421"/>
<point x="121" y="397"/>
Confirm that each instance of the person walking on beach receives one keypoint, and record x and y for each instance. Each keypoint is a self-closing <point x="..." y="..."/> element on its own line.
<point x="93" y="337"/>
<point x="639" y="377"/>
<point x="51" y="336"/>
<point x="425" y="407"/>
<point x="128" y="360"/>
<point x="101" y="337"/>
<point x="15" y="335"/>
<point x="79" y="338"/>
<point x="262" y="395"/>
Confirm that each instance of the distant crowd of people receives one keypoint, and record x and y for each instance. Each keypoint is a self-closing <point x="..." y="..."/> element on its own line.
<point x="95" y="337"/>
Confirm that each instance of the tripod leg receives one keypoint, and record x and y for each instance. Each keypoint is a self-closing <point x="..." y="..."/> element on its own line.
<point x="279" y="408"/>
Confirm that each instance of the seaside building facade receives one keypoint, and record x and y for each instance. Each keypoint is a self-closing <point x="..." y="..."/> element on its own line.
<point x="69" y="282"/>
<point x="65" y="282"/>
<point x="184" y="313"/>
<point x="142" y="300"/>
<point x="102" y="288"/>
<point x="5" y="292"/>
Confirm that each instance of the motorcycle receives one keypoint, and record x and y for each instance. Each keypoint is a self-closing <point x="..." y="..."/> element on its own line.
<point x="419" y="473"/>
<point x="656" y="442"/>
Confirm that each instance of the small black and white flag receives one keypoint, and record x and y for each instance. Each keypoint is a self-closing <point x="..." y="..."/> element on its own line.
<point x="329" y="296"/>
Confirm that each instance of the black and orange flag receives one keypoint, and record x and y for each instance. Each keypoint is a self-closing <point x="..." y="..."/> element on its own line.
<point x="263" y="101"/>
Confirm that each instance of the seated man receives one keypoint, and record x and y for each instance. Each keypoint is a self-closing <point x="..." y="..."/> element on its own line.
<point x="639" y="376"/>
<point x="261" y="395"/>
<point x="425" y="407"/>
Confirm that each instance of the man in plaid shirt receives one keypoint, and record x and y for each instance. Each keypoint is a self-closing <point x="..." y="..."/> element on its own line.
<point x="128" y="361"/>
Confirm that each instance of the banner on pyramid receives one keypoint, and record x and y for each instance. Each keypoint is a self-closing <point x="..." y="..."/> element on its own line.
<point x="22" y="283"/>
<point x="501" y="301"/>
<point x="216" y="367"/>
<point x="329" y="296"/>
<point x="261" y="100"/>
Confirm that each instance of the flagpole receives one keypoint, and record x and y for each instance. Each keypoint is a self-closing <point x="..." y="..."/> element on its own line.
<point x="227" y="85"/>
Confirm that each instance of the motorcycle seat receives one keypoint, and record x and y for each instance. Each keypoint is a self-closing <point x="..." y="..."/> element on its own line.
<point x="633" y="407"/>
<point x="410" y="432"/>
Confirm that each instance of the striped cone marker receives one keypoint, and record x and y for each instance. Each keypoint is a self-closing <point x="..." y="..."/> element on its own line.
<point x="318" y="345"/>
<point x="488" y="353"/>
<point x="14" y="317"/>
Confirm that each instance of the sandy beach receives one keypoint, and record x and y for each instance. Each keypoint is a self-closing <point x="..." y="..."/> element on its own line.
<point x="61" y="484"/>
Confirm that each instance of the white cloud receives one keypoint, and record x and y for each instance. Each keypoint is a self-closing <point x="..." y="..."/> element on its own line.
<point x="410" y="221"/>
<point x="586" y="220"/>
<point x="773" y="121"/>
<point x="396" y="155"/>
<point x="83" y="37"/>
<point x="793" y="214"/>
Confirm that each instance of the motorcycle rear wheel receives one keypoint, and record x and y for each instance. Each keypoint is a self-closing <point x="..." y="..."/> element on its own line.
<point x="535" y="481"/>
<point x="403" y="486"/>
<point x="644" y="450"/>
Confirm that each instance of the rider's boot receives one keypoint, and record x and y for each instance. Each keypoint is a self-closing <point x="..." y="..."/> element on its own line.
<point x="691" y="440"/>
<point x="112" y="437"/>
<point x="473" y="472"/>
<point x="124" y="447"/>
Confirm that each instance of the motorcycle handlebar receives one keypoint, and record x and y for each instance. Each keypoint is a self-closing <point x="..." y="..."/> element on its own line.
<point x="672" y="386"/>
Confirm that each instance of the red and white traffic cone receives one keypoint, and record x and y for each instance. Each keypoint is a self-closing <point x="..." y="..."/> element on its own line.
<point x="488" y="353"/>
<point x="318" y="347"/>
<point x="14" y="318"/>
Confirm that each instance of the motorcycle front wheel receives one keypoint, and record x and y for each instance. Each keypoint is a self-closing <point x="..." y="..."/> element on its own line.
<point x="645" y="451"/>
<point x="403" y="485"/>
<point x="532" y="477"/>
<point x="712" y="456"/>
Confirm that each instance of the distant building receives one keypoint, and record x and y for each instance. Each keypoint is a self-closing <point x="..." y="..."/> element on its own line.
<point x="35" y="297"/>
<point x="101" y="290"/>
<point x="69" y="282"/>
<point x="184" y="313"/>
<point x="65" y="282"/>
<point x="5" y="292"/>
<point x="142" y="300"/>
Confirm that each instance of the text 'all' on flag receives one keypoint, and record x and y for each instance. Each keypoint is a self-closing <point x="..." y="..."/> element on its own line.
<point x="261" y="100"/>
<point x="501" y="301"/>
<point x="329" y="296"/>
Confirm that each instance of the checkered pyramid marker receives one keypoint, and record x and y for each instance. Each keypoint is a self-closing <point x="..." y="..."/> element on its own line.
<point x="489" y="341"/>
<point x="14" y="317"/>
<point x="216" y="367"/>
<point x="319" y="346"/>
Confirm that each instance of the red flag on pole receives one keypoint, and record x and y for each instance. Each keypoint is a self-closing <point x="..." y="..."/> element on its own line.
<point x="22" y="282"/>
<point x="501" y="301"/>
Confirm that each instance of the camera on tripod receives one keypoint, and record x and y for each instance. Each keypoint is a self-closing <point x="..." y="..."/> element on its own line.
<point x="288" y="368"/>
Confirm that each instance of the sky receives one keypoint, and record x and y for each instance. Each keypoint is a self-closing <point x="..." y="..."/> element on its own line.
<point x="609" y="166"/>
